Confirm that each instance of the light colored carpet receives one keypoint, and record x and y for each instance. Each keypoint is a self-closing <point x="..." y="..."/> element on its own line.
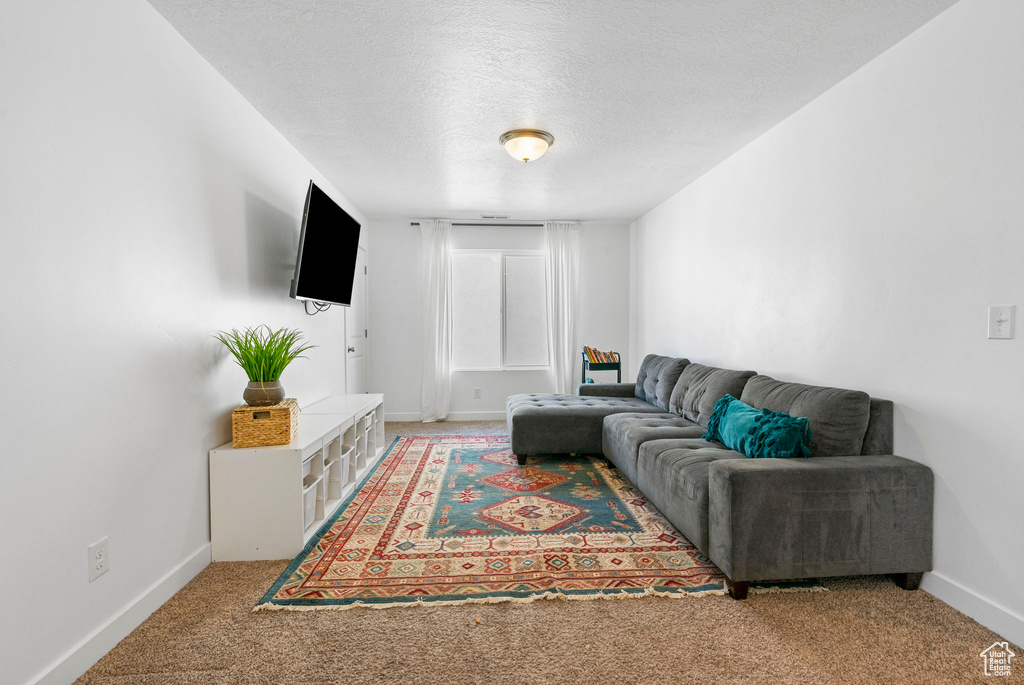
<point x="865" y="630"/>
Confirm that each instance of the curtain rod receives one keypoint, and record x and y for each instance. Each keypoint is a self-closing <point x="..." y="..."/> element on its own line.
<point x="480" y="224"/>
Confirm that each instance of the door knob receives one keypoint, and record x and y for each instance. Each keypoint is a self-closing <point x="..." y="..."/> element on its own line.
<point x="351" y="349"/>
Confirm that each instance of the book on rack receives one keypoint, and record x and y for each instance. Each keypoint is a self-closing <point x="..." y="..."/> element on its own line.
<point x="595" y="356"/>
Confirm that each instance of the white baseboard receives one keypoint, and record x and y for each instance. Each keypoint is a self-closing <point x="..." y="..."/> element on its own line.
<point x="998" y="619"/>
<point x="91" y="649"/>
<point x="402" y="416"/>
<point x="477" y="416"/>
<point x="455" y="416"/>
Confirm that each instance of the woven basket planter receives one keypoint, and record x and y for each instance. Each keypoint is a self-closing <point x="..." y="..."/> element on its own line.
<point x="263" y="426"/>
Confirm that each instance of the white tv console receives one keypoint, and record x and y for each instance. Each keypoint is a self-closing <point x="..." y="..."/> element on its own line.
<point x="267" y="502"/>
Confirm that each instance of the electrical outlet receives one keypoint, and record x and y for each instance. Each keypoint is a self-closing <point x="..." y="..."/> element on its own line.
<point x="99" y="559"/>
<point x="476" y="393"/>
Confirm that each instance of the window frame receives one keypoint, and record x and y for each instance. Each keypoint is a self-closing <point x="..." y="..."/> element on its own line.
<point x="466" y="252"/>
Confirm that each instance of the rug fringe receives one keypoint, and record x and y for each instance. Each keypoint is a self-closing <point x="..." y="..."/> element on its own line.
<point x="551" y="595"/>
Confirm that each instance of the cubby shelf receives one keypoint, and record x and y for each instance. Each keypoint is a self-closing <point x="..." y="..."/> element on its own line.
<point x="267" y="502"/>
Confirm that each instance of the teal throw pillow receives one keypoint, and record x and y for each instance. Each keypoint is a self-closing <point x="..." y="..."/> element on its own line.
<point x="758" y="433"/>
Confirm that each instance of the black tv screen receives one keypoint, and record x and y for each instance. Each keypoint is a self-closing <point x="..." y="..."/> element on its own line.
<point x="328" y="247"/>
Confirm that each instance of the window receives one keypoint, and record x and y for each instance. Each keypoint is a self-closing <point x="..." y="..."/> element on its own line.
<point x="499" y="310"/>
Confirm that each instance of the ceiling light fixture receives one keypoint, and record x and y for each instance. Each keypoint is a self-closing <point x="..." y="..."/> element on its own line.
<point x="526" y="143"/>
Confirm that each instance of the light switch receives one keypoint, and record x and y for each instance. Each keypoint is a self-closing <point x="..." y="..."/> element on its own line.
<point x="1000" y="322"/>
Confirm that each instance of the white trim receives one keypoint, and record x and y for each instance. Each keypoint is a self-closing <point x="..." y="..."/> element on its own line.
<point x="402" y="416"/>
<point x="1008" y="624"/>
<point x="456" y="416"/>
<point x="80" y="658"/>
<point x="498" y="369"/>
<point x="498" y="251"/>
<point x="477" y="416"/>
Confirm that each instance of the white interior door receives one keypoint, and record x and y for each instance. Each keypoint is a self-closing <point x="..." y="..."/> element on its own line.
<point x="355" y="330"/>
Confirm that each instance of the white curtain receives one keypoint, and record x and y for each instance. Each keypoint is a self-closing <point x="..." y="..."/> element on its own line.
<point x="437" y="320"/>
<point x="562" y="274"/>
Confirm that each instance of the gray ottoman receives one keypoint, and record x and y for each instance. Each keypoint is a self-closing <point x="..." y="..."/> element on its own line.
<point x="559" y="424"/>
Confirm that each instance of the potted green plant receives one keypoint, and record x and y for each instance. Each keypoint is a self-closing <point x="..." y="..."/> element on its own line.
<point x="263" y="354"/>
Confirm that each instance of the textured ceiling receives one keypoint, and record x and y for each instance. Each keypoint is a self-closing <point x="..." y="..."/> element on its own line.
<point x="400" y="102"/>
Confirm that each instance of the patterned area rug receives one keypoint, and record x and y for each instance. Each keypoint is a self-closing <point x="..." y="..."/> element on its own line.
<point x="454" y="519"/>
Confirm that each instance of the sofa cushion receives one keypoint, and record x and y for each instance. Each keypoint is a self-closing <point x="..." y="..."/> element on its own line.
<point x="700" y="387"/>
<point x="554" y="424"/>
<point x="653" y="447"/>
<point x="656" y="378"/>
<point x="758" y="433"/>
<point x="624" y="433"/>
<point x="839" y="418"/>
<point x="675" y="480"/>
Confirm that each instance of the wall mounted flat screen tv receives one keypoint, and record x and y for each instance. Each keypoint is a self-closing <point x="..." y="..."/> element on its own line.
<point x="328" y="248"/>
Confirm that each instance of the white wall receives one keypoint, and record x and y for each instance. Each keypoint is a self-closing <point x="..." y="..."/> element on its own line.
<point x="396" y="326"/>
<point x="859" y="244"/>
<point x="145" y="205"/>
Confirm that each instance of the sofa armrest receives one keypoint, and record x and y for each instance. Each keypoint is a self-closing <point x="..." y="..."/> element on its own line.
<point x="606" y="389"/>
<point x="771" y="519"/>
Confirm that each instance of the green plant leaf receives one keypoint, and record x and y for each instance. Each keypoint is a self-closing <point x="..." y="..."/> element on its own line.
<point x="263" y="353"/>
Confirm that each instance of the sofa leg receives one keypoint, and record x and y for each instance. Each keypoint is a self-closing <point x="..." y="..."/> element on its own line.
<point x="908" y="581"/>
<point x="737" y="588"/>
<point x="521" y="458"/>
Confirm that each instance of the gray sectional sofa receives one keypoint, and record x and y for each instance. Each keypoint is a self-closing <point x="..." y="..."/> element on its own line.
<point x="851" y="508"/>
